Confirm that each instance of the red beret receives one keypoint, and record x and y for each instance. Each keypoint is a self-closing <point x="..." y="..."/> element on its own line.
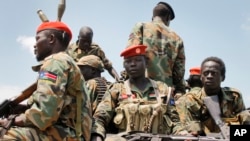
<point x="195" y="71"/>
<point x="134" y="50"/>
<point x="54" y="25"/>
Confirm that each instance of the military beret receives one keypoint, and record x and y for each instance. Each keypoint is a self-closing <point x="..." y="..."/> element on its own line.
<point x="57" y="25"/>
<point x="134" y="50"/>
<point x="91" y="60"/>
<point x="169" y="8"/>
<point x="195" y="71"/>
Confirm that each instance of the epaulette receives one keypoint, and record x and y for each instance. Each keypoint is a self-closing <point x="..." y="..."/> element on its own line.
<point x="230" y="89"/>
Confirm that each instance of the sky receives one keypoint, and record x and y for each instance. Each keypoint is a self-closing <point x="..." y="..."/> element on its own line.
<point x="208" y="28"/>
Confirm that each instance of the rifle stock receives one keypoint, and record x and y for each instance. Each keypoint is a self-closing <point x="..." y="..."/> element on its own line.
<point x="213" y="107"/>
<point x="7" y="105"/>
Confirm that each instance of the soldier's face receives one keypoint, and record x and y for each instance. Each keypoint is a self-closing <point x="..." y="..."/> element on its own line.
<point x="84" y="41"/>
<point x="211" y="75"/>
<point x="42" y="48"/>
<point x="87" y="72"/>
<point x="135" y="66"/>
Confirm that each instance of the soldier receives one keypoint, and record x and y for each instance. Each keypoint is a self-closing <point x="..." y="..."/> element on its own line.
<point x="138" y="104"/>
<point x="84" y="46"/>
<point x="194" y="81"/>
<point x="194" y="113"/>
<point x="165" y="48"/>
<point x="91" y="68"/>
<point x="59" y="109"/>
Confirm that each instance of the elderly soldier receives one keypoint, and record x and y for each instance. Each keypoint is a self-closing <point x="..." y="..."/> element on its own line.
<point x="84" y="46"/>
<point x="139" y="103"/>
<point x="91" y="67"/>
<point x="59" y="109"/>
<point x="194" y="111"/>
<point x="165" y="48"/>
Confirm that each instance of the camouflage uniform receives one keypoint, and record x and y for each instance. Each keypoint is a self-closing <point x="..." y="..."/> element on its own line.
<point x="96" y="87"/>
<point x="77" y="53"/>
<point x="108" y="110"/>
<point x="52" y="113"/>
<point x="194" y="114"/>
<point x="165" y="51"/>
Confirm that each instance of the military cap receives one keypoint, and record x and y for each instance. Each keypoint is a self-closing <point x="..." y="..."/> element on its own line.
<point x="134" y="51"/>
<point x="172" y="15"/>
<point x="91" y="60"/>
<point x="195" y="71"/>
<point x="57" y="25"/>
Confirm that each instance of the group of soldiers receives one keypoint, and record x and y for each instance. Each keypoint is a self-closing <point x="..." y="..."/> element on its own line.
<point x="73" y="101"/>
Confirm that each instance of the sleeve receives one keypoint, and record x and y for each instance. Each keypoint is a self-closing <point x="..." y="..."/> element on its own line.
<point x="172" y="116"/>
<point x="47" y="100"/>
<point x="179" y="68"/>
<point x="106" y="62"/>
<point x="189" y="112"/>
<point x="105" y="111"/>
<point x="136" y="35"/>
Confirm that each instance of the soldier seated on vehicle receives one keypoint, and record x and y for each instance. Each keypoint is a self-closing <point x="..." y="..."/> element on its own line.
<point x="194" y="81"/>
<point x="84" y="46"/>
<point x="196" y="115"/>
<point x="91" y="68"/>
<point x="137" y="104"/>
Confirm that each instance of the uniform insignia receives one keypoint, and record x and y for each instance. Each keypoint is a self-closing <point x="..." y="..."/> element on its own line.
<point x="152" y="95"/>
<point x="172" y="101"/>
<point x="124" y="96"/>
<point x="46" y="75"/>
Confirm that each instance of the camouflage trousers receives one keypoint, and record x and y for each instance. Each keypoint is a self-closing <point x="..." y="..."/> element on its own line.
<point x="34" y="134"/>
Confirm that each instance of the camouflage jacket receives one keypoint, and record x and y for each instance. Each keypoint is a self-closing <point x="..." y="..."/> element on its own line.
<point x="191" y="109"/>
<point x="116" y="93"/>
<point x="97" y="88"/>
<point x="53" y="104"/>
<point x="77" y="53"/>
<point x="165" y="51"/>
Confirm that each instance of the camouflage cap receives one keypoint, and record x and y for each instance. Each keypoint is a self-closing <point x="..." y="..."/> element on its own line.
<point x="91" y="60"/>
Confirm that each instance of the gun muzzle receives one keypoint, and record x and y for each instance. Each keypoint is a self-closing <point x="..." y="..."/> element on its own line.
<point x="42" y="16"/>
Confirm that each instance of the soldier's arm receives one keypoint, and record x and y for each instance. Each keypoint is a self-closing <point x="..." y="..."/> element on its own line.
<point x="105" y="112"/>
<point x="179" y="69"/>
<point x="136" y="35"/>
<point x="108" y="64"/>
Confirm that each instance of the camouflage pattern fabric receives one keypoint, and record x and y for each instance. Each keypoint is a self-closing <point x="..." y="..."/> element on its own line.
<point x="76" y="53"/>
<point x="165" y="51"/>
<point x="91" y="60"/>
<point x="105" y="111"/>
<point x="194" y="114"/>
<point x="94" y="93"/>
<point x="52" y="112"/>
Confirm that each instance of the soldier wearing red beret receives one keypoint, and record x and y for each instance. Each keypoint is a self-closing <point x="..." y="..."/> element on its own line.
<point x="194" y="81"/>
<point x="136" y="97"/>
<point x="59" y="109"/>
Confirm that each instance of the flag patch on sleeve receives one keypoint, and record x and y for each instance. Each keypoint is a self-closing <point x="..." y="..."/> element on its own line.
<point x="46" y="75"/>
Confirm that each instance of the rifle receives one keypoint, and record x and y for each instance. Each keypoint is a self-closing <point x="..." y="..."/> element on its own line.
<point x="213" y="107"/>
<point x="139" y="136"/>
<point x="7" y="106"/>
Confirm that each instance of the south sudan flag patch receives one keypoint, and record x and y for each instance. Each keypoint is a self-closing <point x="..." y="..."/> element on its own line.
<point x="46" y="75"/>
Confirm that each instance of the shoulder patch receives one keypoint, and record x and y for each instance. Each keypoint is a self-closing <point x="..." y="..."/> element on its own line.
<point x="46" y="75"/>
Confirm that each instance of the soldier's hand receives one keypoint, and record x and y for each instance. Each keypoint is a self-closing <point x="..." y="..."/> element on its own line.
<point x="4" y="122"/>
